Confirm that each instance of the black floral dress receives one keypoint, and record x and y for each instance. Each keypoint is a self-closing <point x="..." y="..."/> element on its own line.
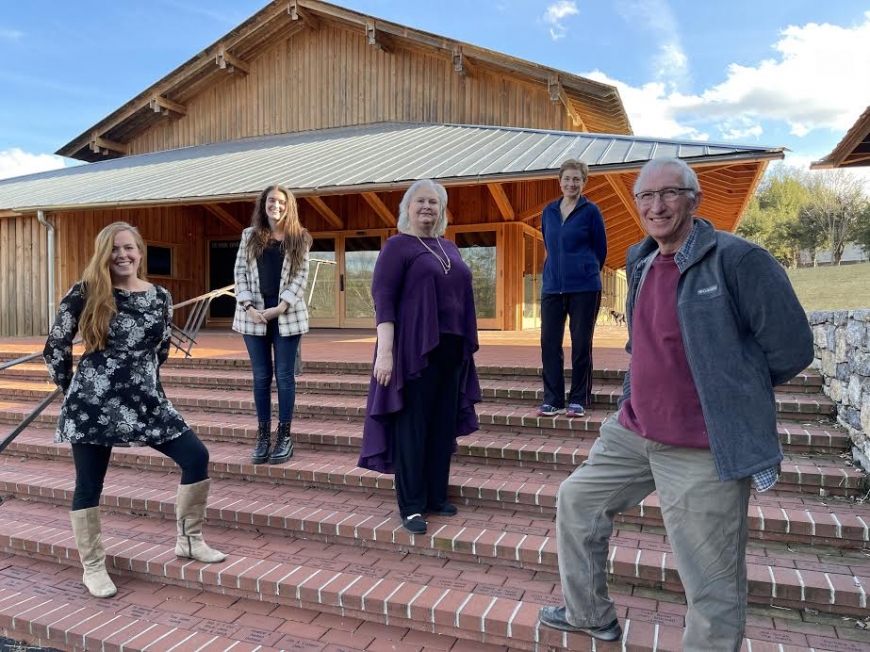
<point x="114" y="398"/>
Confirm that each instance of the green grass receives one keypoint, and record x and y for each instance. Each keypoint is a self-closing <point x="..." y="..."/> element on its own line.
<point x="832" y="288"/>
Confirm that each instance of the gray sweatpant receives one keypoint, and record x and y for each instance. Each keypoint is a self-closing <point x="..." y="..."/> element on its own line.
<point x="705" y="519"/>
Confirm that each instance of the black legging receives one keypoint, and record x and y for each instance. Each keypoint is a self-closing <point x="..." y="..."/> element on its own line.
<point x="92" y="461"/>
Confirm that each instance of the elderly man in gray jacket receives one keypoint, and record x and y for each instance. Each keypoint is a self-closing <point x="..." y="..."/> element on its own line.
<point x="713" y="325"/>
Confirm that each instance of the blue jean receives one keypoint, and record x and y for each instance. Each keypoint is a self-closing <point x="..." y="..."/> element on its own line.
<point x="260" y="351"/>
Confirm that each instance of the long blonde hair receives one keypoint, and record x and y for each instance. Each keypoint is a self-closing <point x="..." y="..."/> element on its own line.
<point x="297" y="241"/>
<point x="97" y="286"/>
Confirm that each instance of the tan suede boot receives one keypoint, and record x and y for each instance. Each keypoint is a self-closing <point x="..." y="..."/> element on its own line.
<point x="89" y="541"/>
<point x="190" y="513"/>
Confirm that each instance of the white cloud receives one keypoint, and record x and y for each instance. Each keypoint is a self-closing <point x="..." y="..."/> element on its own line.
<point x="11" y="34"/>
<point x="650" y="109"/>
<point x="656" y="17"/>
<point x="555" y="14"/>
<point x="16" y="162"/>
<point x="814" y="81"/>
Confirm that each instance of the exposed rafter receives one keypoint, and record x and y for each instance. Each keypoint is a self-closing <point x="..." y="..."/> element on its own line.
<point x="325" y="212"/>
<point x="100" y="145"/>
<point x="167" y="107"/>
<point x="225" y="217"/>
<point x="376" y="38"/>
<point x="531" y="213"/>
<point x="625" y="197"/>
<point x="380" y="208"/>
<point x="303" y="16"/>
<point x="558" y="94"/>
<point x="461" y="63"/>
<point x="501" y="200"/>
<point x="226" y="61"/>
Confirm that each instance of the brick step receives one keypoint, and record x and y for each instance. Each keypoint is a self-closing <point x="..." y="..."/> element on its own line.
<point x="401" y="591"/>
<point x="808" y="381"/>
<point x="525" y="390"/>
<point x="817" y="474"/>
<point x="790" y="407"/>
<point x="486" y="494"/>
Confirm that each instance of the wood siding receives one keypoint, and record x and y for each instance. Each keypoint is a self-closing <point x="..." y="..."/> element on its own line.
<point x="23" y="277"/>
<point x="333" y="78"/>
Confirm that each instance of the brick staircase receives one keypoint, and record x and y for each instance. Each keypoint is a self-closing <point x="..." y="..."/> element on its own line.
<point x="318" y="559"/>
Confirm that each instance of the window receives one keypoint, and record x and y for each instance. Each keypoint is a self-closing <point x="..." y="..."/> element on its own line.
<point x="160" y="260"/>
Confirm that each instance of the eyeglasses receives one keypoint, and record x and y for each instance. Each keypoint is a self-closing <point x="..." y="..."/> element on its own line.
<point x="665" y="194"/>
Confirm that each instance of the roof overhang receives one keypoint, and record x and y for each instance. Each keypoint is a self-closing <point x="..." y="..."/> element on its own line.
<point x="596" y="105"/>
<point x="370" y="158"/>
<point x="853" y="150"/>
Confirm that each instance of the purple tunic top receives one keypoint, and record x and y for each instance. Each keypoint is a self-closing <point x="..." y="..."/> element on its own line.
<point x="411" y="290"/>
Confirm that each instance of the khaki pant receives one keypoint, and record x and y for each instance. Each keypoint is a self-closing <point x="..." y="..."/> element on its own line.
<point x="705" y="519"/>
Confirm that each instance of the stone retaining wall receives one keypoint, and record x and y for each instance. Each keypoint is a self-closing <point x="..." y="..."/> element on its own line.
<point x="842" y="344"/>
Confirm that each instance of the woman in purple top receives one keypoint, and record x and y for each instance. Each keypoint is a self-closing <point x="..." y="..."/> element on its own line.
<point x="424" y="383"/>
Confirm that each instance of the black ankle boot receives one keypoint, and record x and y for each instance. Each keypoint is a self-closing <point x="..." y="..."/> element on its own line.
<point x="264" y="437"/>
<point x="283" y="449"/>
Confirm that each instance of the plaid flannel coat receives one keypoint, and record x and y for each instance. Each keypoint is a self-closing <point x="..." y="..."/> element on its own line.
<point x="292" y="322"/>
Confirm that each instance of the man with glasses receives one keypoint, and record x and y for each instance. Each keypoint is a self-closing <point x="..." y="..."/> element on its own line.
<point x="713" y="326"/>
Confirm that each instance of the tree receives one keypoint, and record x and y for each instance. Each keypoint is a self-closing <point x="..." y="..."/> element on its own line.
<point x="862" y="230"/>
<point x="833" y="214"/>
<point x="773" y="211"/>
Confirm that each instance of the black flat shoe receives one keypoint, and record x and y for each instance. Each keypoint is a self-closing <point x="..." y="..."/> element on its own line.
<point x="447" y="509"/>
<point x="414" y="524"/>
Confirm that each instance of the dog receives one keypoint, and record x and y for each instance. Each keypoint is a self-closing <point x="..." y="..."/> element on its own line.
<point x="618" y="317"/>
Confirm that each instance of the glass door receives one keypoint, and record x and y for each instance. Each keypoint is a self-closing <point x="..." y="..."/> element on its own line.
<point x="360" y="252"/>
<point x="478" y="249"/>
<point x="323" y="283"/>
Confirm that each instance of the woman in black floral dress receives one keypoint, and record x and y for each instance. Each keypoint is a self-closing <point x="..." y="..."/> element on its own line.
<point x="114" y="398"/>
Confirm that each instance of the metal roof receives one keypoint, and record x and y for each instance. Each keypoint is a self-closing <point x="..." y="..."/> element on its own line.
<point x="347" y="159"/>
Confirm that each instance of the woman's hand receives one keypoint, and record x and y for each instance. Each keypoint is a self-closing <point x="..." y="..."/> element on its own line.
<point x="383" y="369"/>
<point x="270" y="313"/>
<point x="255" y="315"/>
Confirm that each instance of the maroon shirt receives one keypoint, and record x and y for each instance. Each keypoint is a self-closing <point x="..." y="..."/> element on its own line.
<point x="664" y="404"/>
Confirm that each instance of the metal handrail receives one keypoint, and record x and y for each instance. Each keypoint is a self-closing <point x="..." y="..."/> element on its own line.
<point x="182" y="339"/>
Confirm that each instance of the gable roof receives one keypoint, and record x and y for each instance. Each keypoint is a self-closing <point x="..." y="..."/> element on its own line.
<point x="366" y="158"/>
<point x="598" y="104"/>
<point x="853" y="150"/>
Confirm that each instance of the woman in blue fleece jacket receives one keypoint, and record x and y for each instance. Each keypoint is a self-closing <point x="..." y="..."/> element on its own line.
<point x="576" y="247"/>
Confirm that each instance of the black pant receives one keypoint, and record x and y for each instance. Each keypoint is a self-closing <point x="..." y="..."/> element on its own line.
<point x="582" y="310"/>
<point x="92" y="461"/>
<point x="425" y="430"/>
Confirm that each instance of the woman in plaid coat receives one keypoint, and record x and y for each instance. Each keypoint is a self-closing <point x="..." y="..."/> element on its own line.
<point x="271" y="274"/>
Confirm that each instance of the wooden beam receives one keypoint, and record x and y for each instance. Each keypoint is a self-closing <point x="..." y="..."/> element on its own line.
<point x="501" y="200"/>
<point x="303" y="16"/>
<point x="461" y="63"/>
<point x="160" y="104"/>
<point x="9" y="213"/>
<point x="226" y="61"/>
<point x="102" y="145"/>
<point x="325" y="212"/>
<point x="225" y="217"/>
<point x="625" y="197"/>
<point x="558" y="94"/>
<point x="380" y="208"/>
<point x="376" y="39"/>
<point x="529" y="214"/>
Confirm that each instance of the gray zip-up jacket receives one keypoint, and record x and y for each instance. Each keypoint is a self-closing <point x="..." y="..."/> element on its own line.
<point x="744" y="332"/>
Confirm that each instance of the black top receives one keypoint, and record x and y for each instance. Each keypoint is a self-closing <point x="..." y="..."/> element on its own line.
<point x="269" y="266"/>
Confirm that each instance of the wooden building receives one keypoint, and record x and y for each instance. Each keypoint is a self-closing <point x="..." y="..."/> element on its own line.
<point x="346" y="110"/>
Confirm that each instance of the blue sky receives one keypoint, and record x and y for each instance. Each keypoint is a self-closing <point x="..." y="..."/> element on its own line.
<point x="790" y="73"/>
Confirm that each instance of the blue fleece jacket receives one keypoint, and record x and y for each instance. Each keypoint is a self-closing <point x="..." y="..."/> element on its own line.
<point x="576" y="248"/>
<point x="744" y="332"/>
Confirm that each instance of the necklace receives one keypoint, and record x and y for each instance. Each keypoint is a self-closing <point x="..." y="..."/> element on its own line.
<point x="445" y="262"/>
